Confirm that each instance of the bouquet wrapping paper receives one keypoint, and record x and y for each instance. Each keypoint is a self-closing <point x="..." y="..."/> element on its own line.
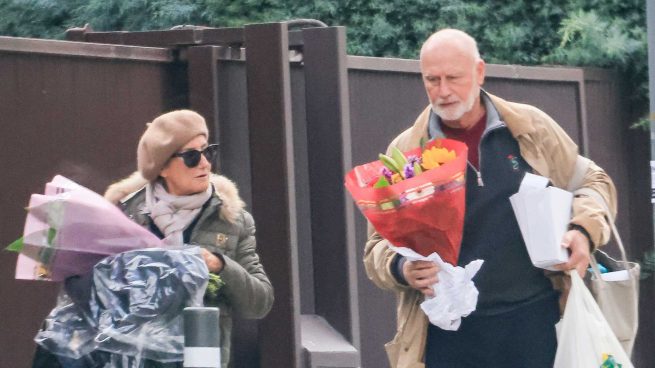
<point x="424" y="213"/>
<point x="69" y="228"/>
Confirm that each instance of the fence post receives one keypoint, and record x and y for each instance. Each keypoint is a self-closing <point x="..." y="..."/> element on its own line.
<point x="329" y="147"/>
<point x="650" y="18"/>
<point x="273" y="191"/>
<point x="202" y="74"/>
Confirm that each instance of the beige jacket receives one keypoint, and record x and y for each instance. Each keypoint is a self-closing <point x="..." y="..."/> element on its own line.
<point x="551" y="153"/>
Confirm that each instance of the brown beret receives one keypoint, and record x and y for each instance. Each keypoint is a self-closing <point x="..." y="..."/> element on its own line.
<point x="164" y="136"/>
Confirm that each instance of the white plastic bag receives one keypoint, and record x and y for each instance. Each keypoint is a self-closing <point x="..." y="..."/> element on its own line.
<point x="584" y="337"/>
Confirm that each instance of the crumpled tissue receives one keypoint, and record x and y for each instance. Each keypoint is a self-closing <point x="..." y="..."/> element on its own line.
<point x="455" y="294"/>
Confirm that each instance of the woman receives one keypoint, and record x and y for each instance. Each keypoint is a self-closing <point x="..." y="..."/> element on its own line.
<point x="175" y="195"/>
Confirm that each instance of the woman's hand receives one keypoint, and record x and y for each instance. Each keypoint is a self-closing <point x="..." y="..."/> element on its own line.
<point x="214" y="263"/>
<point x="421" y="275"/>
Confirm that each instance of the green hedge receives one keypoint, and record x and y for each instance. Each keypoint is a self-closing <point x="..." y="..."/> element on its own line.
<point x="604" y="33"/>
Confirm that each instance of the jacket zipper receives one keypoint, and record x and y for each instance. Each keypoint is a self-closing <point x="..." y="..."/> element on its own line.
<point x="478" y="173"/>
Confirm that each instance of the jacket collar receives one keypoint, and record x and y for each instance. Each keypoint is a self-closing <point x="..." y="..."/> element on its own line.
<point x="226" y="194"/>
<point x="513" y="118"/>
<point x="512" y="114"/>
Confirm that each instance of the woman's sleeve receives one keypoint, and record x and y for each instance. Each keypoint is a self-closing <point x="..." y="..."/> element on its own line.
<point x="247" y="286"/>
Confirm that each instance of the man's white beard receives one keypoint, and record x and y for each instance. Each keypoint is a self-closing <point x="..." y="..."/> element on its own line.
<point x="455" y="112"/>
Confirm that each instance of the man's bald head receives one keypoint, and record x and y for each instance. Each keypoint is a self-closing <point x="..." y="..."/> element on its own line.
<point x="451" y="38"/>
<point x="453" y="74"/>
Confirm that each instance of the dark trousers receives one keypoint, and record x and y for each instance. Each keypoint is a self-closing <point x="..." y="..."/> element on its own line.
<point x="522" y="338"/>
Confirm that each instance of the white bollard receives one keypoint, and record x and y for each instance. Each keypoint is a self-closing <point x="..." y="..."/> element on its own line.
<point x="202" y="348"/>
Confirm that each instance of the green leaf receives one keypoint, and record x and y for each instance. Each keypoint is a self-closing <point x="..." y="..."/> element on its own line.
<point x="390" y="163"/>
<point x="382" y="182"/>
<point x="51" y="235"/>
<point x="399" y="157"/>
<point x="417" y="169"/>
<point x="214" y="285"/>
<point x="16" y="246"/>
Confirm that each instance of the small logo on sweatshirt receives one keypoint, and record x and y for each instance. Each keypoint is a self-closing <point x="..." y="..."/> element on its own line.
<point x="513" y="161"/>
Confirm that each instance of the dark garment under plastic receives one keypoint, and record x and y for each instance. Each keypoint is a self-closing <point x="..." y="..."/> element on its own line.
<point x="134" y="314"/>
<point x="98" y="359"/>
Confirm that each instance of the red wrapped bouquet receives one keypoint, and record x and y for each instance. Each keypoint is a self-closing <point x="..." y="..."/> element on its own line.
<point x="416" y="199"/>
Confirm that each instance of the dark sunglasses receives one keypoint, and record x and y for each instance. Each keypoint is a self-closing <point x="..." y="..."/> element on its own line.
<point x="192" y="157"/>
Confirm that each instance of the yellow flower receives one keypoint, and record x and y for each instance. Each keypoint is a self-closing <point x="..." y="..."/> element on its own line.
<point x="395" y="178"/>
<point x="443" y="155"/>
<point x="428" y="161"/>
<point x="436" y="156"/>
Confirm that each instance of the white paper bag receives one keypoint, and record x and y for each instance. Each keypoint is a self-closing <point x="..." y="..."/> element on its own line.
<point x="543" y="214"/>
<point x="584" y="338"/>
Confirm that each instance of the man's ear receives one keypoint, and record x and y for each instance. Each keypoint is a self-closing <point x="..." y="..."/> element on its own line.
<point x="480" y="68"/>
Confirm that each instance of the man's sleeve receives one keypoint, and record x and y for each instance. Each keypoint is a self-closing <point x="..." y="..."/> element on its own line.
<point x="590" y="214"/>
<point x="379" y="261"/>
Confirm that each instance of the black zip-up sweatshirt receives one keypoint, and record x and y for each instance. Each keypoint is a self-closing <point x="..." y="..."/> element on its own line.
<point x="507" y="279"/>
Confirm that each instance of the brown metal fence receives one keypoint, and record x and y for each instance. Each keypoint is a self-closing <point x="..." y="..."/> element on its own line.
<point x="292" y="113"/>
<point x="75" y="109"/>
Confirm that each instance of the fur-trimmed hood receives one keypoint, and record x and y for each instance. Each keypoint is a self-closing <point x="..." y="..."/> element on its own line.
<point x="225" y="189"/>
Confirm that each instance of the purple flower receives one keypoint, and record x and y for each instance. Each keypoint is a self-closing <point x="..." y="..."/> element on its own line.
<point x="414" y="159"/>
<point x="387" y="173"/>
<point x="409" y="170"/>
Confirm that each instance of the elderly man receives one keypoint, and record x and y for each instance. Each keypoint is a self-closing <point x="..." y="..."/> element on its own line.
<point x="513" y="325"/>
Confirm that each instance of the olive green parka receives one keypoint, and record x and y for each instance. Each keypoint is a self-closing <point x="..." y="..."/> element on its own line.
<point x="224" y="228"/>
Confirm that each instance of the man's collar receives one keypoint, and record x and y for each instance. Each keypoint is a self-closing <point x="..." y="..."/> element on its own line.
<point x="493" y="118"/>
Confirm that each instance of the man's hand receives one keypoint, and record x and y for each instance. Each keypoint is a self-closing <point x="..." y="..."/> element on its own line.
<point x="214" y="264"/>
<point x="578" y="246"/>
<point x="421" y="275"/>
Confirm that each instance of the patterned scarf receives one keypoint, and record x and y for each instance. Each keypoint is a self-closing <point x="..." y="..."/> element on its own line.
<point x="173" y="214"/>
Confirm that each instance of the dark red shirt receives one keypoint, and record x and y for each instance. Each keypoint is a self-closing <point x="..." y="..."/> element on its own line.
<point x="471" y="137"/>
